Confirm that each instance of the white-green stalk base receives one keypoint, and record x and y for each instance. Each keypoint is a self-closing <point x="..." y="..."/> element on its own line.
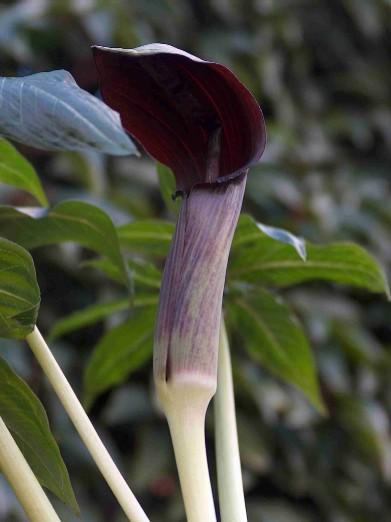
<point x="87" y="432"/>
<point x="23" y="481"/>
<point x="185" y="400"/>
<point x="229" y="474"/>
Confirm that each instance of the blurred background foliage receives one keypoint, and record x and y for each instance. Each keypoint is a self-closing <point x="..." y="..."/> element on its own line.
<point x="321" y="71"/>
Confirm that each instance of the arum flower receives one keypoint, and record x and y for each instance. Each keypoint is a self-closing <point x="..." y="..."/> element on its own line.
<point x="197" y="118"/>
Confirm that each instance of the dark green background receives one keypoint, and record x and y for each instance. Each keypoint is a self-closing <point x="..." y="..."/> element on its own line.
<point x="321" y="72"/>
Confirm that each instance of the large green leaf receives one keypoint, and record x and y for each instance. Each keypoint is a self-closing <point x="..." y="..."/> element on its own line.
<point x="274" y="338"/>
<point x="148" y="237"/>
<point x="96" y="312"/>
<point x="121" y="350"/>
<point x="259" y="259"/>
<point x="19" y="291"/>
<point x="75" y="221"/>
<point x="25" y="417"/>
<point x="15" y="170"/>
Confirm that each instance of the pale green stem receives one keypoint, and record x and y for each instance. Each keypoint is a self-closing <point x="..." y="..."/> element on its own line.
<point x="23" y="481"/>
<point x="185" y="401"/>
<point x="229" y="474"/>
<point x="87" y="432"/>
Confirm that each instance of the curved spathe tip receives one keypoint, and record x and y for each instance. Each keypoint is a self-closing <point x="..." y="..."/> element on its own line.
<point x="193" y="115"/>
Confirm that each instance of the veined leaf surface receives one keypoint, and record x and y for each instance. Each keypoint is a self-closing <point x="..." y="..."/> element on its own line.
<point x="19" y="291"/>
<point x="50" y="111"/>
<point x="273" y="337"/>
<point x="25" y="417"/>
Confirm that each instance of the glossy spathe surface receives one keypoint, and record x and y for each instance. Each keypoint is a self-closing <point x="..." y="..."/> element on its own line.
<point x="192" y="115"/>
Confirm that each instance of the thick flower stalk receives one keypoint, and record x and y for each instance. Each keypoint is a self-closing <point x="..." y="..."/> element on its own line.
<point x="198" y="119"/>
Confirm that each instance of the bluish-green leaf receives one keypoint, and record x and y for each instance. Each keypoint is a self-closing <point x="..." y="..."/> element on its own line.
<point x="16" y="171"/>
<point x="273" y="337"/>
<point x="49" y="111"/>
<point x="25" y="417"/>
<point x="19" y="291"/>
<point x="121" y="350"/>
<point x="75" y="221"/>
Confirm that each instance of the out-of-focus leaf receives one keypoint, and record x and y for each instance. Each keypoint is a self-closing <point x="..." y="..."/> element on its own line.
<point x="273" y="337"/>
<point x="107" y="267"/>
<point x="96" y="312"/>
<point x="75" y="221"/>
<point x="49" y="111"/>
<point x="25" y="416"/>
<point x="16" y="171"/>
<point x="148" y="237"/>
<point x="168" y="187"/>
<point x="19" y="291"/>
<point x="277" y="511"/>
<point x="358" y="343"/>
<point x="261" y="260"/>
<point x="121" y="350"/>
<point x="358" y="418"/>
<point x="249" y="230"/>
<point x="144" y="273"/>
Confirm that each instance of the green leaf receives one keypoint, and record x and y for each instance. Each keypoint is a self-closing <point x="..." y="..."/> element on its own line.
<point x="94" y="313"/>
<point x="121" y="350"/>
<point x="168" y="187"/>
<point x="107" y="267"/>
<point x="274" y="338"/>
<point x="143" y="273"/>
<point x="258" y="259"/>
<point x="16" y="171"/>
<point x="357" y="417"/>
<point x="19" y="291"/>
<point x="249" y="230"/>
<point x="148" y="237"/>
<point x="75" y="221"/>
<point x="25" y="417"/>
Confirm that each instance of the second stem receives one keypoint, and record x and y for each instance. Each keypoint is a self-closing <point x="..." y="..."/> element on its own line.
<point x="83" y="425"/>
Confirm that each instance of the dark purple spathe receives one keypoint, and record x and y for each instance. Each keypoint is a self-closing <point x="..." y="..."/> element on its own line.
<point x="193" y="115"/>
<point x="199" y="119"/>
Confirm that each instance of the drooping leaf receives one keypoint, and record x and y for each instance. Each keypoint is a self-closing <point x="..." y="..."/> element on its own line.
<point x="16" y="171"/>
<point x="149" y="236"/>
<point x="257" y="258"/>
<point x="168" y="187"/>
<point x="49" y="111"/>
<point x="94" y="313"/>
<point x="75" y="221"/>
<point x="25" y="417"/>
<point x="121" y="350"/>
<point x="274" y="338"/>
<point x="19" y="291"/>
